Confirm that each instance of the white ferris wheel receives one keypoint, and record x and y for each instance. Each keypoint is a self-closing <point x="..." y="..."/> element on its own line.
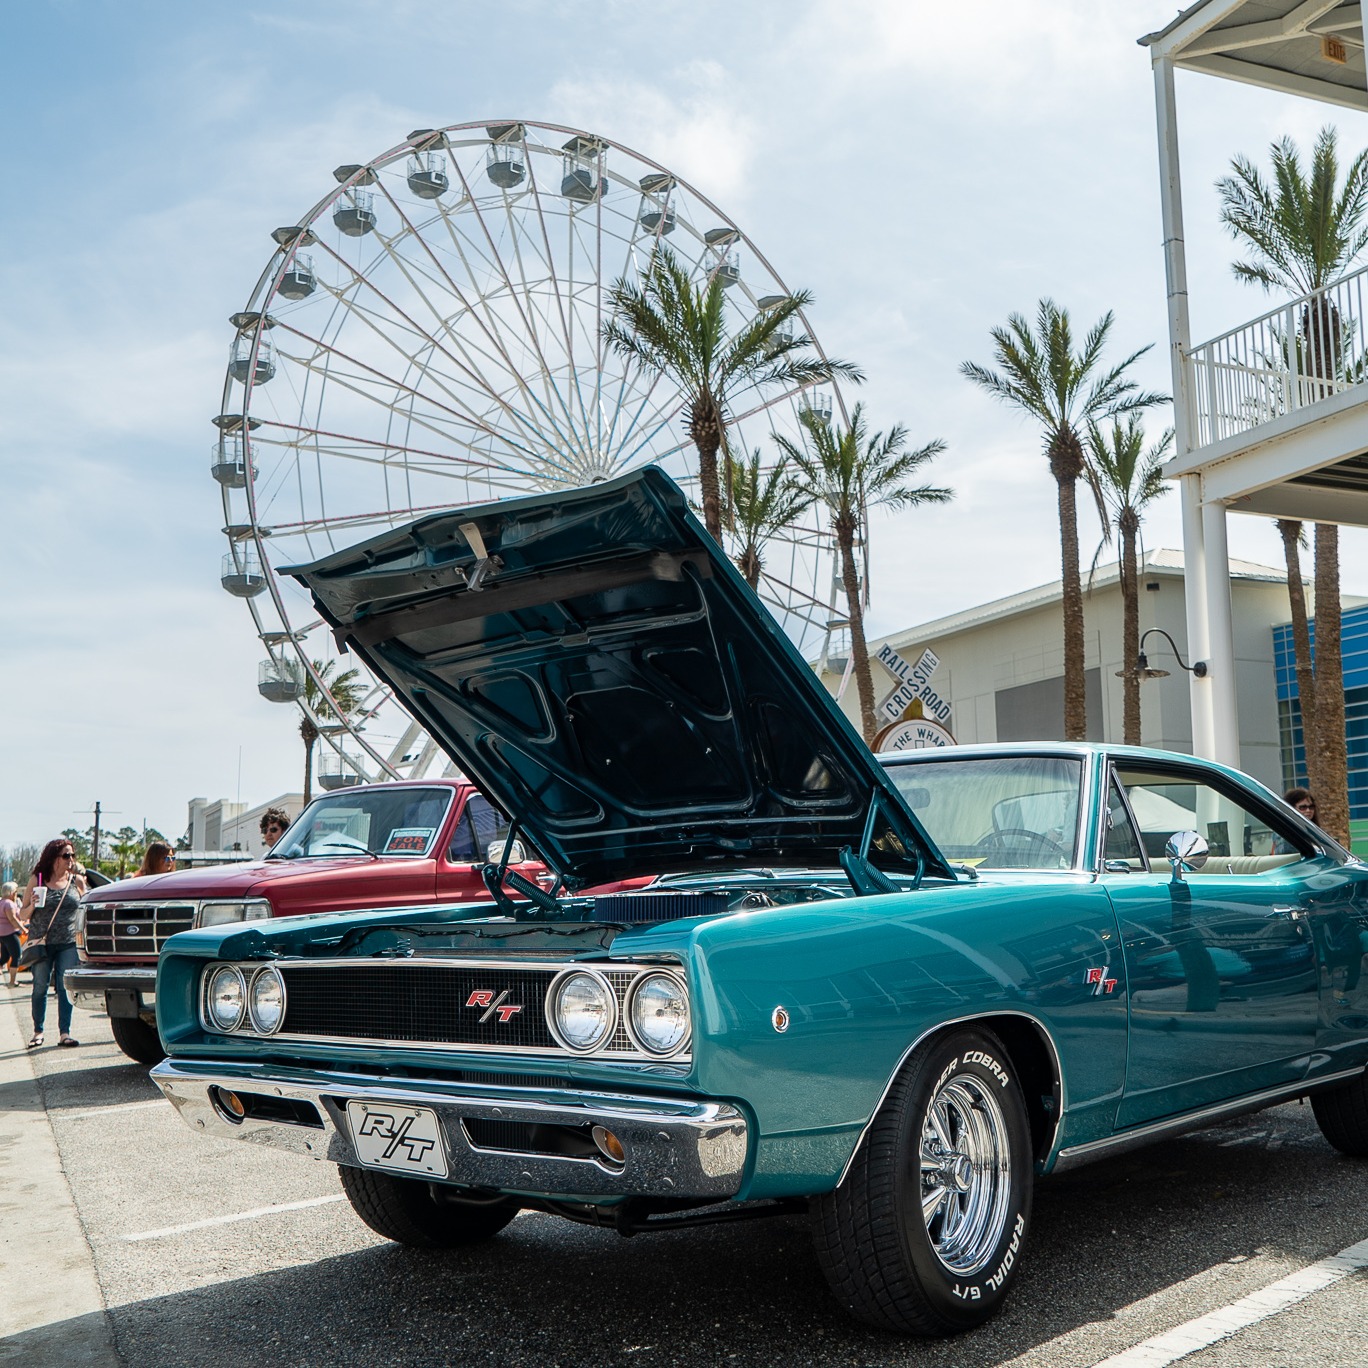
<point x="428" y="335"/>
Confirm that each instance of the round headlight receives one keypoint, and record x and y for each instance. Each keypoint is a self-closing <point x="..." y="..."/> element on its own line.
<point x="659" y="1013"/>
<point x="268" y="1001"/>
<point x="225" y="998"/>
<point x="583" y="1011"/>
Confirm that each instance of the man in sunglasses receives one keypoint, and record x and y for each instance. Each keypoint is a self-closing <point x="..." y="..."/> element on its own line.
<point x="273" y="824"/>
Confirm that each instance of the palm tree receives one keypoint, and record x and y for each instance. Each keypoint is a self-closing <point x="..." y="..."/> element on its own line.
<point x="676" y="329"/>
<point x="1305" y="231"/>
<point x="760" y="506"/>
<point x="1064" y="392"/>
<point x="851" y="471"/>
<point x="1130" y="479"/>
<point x="1293" y="539"/>
<point x="341" y="699"/>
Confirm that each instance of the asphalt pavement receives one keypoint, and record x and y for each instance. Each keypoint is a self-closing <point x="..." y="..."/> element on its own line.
<point x="129" y="1242"/>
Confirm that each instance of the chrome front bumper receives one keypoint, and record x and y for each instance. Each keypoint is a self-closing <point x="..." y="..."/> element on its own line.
<point x="674" y="1147"/>
<point x="88" y="986"/>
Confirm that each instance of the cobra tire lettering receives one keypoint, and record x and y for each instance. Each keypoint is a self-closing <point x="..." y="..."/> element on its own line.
<point x="995" y="1280"/>
<point x="989" y="1063"/>
<point x="970" y="1293"/>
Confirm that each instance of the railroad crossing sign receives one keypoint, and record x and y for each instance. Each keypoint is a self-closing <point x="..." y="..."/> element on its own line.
<point x="911" y="686"/>
<point x="912" y="734"/>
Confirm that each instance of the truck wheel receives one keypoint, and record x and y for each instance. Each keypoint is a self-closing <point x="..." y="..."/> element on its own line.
<point x="925" y="1235"/>
<point x="1342" y="1115"/>
<point x="137" y="1039"/>
<point x="405" y="1210"/>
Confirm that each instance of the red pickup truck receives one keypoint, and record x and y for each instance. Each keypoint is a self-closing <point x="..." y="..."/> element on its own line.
<point x="380" y="845"/>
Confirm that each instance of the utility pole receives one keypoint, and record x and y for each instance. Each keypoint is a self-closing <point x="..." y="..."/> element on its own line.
<point x="95" y="842"/>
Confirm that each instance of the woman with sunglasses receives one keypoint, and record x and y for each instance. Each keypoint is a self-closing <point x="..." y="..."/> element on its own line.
<point x="54" y="925"/>
<point x="159" y="858"/>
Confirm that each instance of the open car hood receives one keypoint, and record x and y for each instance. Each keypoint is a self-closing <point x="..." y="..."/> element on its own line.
<point x="599" y="668"/>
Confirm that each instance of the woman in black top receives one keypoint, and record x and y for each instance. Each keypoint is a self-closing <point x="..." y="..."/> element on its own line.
<point x="54" y="924"/>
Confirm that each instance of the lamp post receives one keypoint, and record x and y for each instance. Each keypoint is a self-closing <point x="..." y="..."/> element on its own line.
<point x="1198" y="668"/>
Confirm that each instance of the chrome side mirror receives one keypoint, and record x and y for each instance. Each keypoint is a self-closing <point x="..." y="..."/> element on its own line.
<point x="515" y="856"/>
<point x="1185" y="850"/>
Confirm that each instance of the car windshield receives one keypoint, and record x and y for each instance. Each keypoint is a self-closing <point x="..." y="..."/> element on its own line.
<point x="998" y="812"/>
<point x="367" y="821"/>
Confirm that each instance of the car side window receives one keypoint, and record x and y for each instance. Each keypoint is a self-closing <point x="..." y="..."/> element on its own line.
<point x="1122" y="841"/>
<point x="463" y="846"/>
<point x="1240" y="839"/>
<point x="479" y="826"/>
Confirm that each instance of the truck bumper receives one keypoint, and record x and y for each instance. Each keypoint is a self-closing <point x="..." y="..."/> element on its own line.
<point x="493" y="1137"/>
<point x="127" y="992"/>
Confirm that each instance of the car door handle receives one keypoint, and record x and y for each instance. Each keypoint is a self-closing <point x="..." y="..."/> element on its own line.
<point x="1293" y="910"/>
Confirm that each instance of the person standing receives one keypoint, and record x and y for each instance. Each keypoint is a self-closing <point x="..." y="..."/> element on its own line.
<point x="51" y="899"/>
<point x="10" y="927"/>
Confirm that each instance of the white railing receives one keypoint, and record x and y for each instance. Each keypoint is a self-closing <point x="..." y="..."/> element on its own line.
<point x="1289" y="359"/>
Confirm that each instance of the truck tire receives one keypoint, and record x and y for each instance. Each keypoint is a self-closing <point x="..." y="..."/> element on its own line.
<point x="137" y="1039"/>
<point x="925" y="1235"/>
<point x="406" y="1211"/>
<point x="1342" y="1114"/>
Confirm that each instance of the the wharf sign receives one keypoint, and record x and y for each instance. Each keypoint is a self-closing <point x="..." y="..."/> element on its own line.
<point x="912" y="685"/>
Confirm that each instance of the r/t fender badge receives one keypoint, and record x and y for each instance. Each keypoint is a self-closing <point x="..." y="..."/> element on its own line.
<point x="1099" y="982"/>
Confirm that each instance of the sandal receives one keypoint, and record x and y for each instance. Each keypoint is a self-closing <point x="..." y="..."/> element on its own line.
<point x="69" y="1040"/>
<point x="36" y="1041"/>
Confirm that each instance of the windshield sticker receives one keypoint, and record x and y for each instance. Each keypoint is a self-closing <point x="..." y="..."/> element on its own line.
<point x="408" y="840"/>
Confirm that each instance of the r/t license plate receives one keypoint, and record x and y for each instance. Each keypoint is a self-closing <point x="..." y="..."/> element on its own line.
<point x="401" y="1139"/>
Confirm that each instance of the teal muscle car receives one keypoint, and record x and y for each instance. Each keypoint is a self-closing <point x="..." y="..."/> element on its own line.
<point x="889" y="995"/>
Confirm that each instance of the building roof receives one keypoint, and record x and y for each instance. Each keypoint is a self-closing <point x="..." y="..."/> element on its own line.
<point x="1298" y="47"/>
<point x="1162" y="562"/>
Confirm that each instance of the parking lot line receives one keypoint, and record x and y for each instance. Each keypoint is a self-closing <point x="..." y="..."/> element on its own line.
<point x="236" y="1216"/>
<point x="1215" y="1326"/>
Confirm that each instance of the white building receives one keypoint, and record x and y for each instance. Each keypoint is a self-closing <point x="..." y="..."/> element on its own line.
<point x="1270" y="418"/>
<point x="1002" y="664"/>
<point x="224" y="826"/>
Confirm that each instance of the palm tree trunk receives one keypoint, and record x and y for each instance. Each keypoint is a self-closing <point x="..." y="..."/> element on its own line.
<point x="705" y="427"/>
<point x="1291" y="532"/>
<point x="749" y="564"/>
<point x="1130" y="632"/>
<point x="1332" y="766"/>
<point x="1075" y="697"/>
<point x="308" y="734"/>
<point x="859" y="652"/>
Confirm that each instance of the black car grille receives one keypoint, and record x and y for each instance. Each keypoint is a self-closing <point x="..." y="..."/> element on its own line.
<point x="466" y="1006"/>
<point x="134" y="928"/>
<point x="423" y="1003"/>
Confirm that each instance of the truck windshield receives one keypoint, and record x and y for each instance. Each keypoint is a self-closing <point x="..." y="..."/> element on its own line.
<point x="367" y="821"/>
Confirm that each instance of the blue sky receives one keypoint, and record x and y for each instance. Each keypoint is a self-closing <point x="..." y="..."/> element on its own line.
<point x="921" y="174"/>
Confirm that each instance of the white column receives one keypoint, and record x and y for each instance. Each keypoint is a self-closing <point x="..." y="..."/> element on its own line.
<point x="1197" y="607"/>
<point x="1220" y="681"/>
<point x="1175" y="257"/>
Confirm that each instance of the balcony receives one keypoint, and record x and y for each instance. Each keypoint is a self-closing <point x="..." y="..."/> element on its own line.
<point x="1286" y="362"/>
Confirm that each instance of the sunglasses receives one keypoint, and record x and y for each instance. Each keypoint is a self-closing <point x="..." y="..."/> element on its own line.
<point x="67" y="855"/>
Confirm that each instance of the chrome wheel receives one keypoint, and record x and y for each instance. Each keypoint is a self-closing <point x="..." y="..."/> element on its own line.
<point x="966" y="1174"/>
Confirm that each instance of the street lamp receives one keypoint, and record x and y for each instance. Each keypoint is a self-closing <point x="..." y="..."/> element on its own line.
<point x="1142" y="665"/>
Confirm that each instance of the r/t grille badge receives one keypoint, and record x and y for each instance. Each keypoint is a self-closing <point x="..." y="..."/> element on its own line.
<point x="483" y="997"/>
